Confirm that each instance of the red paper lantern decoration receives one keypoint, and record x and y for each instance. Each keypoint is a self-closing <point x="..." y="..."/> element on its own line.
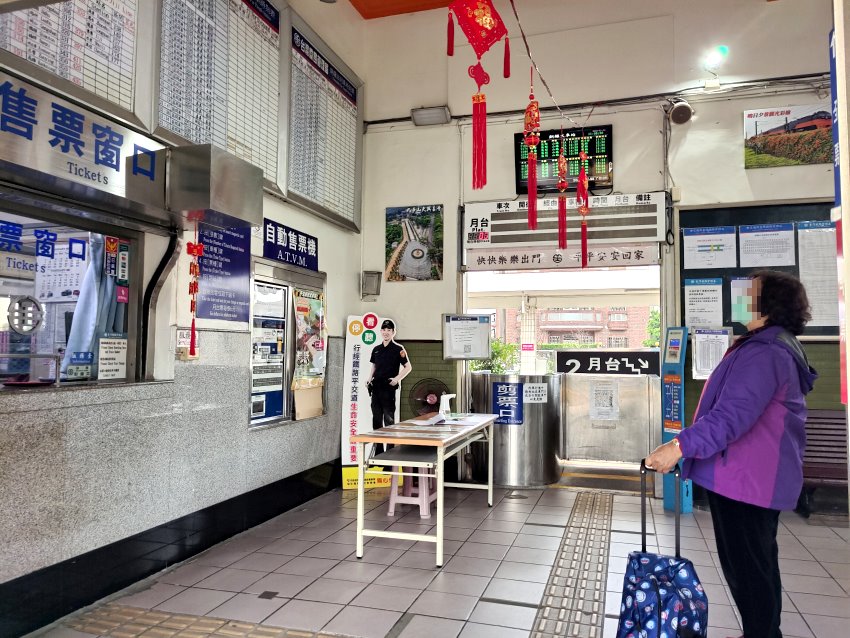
<point x="583" y="204"/>
<point x="483" y="27"/>
<point x="562" y="197"/>
<point x="531" y="138"/>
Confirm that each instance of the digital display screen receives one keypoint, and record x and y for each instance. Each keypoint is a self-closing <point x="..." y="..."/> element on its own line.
<point x="674" y="343"/>
<point x="595" y="141"/>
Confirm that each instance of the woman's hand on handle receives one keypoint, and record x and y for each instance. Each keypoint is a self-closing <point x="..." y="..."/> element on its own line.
<point x="664" y="458"/>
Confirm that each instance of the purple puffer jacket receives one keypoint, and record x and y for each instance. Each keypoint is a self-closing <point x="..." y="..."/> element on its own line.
<point x="748" y="435"/>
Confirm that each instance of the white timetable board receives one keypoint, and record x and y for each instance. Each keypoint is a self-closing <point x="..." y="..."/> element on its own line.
<point x="323" y="166"/>
<point x="466" y="336"/>
<point x="219" y="76"/>
<point x="91" y="43"/>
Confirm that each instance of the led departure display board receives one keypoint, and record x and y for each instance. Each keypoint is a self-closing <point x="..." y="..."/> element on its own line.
<point x="595" y="141"/>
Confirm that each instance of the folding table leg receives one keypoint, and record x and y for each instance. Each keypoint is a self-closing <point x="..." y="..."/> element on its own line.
<point x="361" y="497"/>
<point x="438" y="469"/>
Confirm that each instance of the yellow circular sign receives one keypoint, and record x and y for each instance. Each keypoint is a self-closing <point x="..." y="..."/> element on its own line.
<point x="355" y="327"/>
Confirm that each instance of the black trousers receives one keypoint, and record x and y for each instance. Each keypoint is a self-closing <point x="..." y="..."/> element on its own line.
<point x="749" y="556"/>
<point x="383" y="409"/>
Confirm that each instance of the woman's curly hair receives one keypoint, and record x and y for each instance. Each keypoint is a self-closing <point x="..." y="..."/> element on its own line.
<point x="783" y="299"/>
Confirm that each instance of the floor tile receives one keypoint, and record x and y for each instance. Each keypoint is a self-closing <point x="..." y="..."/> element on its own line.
<point x="429" y="627"/>
<point x="195" y="601"/>
<point x="283" y="585"/>
<point x="523" y="571"/>
<point x="228" y="579"/>
<point x="307" y="566"/>
<point x="826" y="626"/>
<point x="303" y="614"/>
<point x="820" y="605"/>
<point x="248" y="608"/>
<point x="327" y="590"/>
<point x="261" y="562"/>
<point x="811" y="585"/>
<point x="151" y="597"/>
<point x="498" y="538"/>
<point x="378" y="555"/>
<point x="288" y="546"/>
<point x="363" y="622"/>
<point x="220" y="557"/>
<point x="357" y="571"/>
<point x="384" y="597"/>
<point x="482" y="550"/>
<point x="405" y="577"/>
<point x="517" y="591"/>
<point x="471" y="566"/>
<point x="538" y="542"/>
<point x="444" y="605"/>
<point x="530" y="555"/>
<point x="329" y="550"/>
<point x="459" y="584"/>
<point x="475" y="630"/>
<point x="418" y="560"/>
<point x="504" y="615"/>
<point x="187" y="575"/>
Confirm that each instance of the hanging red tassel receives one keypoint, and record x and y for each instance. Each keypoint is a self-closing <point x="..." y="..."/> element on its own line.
<point x="531" y="138"/>
<point x="583" y="205"/>
<point x="532" y="190"/>
<point x="562" y="198"/>
<point x="506" y="71"/>
<point x="479" y="140"/>
<point x="450" y="36"/>
<point x="192" y="339"/>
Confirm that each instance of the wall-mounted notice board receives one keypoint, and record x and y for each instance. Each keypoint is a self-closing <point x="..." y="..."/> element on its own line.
<point x="466" y="336"/>
<point x="720" y="248"/>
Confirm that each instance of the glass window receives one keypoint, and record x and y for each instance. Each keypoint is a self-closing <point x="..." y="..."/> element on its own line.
<point x="618" y="342"/>
<point x="554" y="338"/>
<point x="65" y="295"/>
<point x="618" y="316"/>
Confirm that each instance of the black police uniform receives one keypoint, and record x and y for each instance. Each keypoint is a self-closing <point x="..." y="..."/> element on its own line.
<point x="388" y="360"/>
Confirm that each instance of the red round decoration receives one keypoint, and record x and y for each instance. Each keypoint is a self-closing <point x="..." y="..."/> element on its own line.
<point x="480" y="22"/>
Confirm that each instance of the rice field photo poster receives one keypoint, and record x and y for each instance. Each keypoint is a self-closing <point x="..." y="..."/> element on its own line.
<point x="788" y="136"/>
<point x="414" y="246"/>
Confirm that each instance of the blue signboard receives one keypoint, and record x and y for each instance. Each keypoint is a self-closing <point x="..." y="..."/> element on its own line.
<point x="833" y="85"/>
<point x="224" y="284"/>
<point x="290" y="246"/>
<point x="507" y="402"/>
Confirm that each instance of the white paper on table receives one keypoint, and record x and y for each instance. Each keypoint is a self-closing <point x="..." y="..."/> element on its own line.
<point x="818" y="270"/>
<point x="709" y="347"/>
<point x="703" y="302"/>
<point x="764" y="245"/>
<point x="709" y="247"/>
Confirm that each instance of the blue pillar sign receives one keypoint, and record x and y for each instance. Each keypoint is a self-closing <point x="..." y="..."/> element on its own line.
<point x="673" y="408"/>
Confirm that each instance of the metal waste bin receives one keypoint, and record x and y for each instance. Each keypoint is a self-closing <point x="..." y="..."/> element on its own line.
<point x="526" y="436"/>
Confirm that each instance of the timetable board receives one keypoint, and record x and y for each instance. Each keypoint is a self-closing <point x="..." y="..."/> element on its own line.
<point x="219" y="76"/>
<point x="91" y="43"/>
<point x="323" y="166"/>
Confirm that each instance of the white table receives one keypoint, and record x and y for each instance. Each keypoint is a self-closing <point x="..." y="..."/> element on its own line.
<point x="434" y="444"/>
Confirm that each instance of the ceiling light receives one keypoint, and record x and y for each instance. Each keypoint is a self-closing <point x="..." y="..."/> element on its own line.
<point x="715" y="58"/>
<point x="429" y="116"/>
<point x="329" y="1"/>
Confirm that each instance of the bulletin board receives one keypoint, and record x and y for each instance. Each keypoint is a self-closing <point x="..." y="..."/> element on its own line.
<point x="466" y="337"/>
<point x="744" y="240"/>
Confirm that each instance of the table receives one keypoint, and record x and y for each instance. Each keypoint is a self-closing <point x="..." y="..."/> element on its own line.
<point x="442" y="440"/>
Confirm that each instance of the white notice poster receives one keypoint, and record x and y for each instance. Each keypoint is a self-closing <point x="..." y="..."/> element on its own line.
<point x="704" y="302"/>
<point x="709" y="348"/>
<point x="818" y="270"/>
<point x="604" y="400"/>
<point x="466" y="336"/>
<point x="112" y="359"/>
<point x="764" y="245"/>
<point x="534" y="393"/>
<point x="709" y="247"/>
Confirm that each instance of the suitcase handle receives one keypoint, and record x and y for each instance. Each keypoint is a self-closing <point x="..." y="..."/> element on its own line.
<point x="677" y="472"/>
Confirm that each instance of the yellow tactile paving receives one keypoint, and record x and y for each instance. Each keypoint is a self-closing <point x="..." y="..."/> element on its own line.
<point x="122" y="621"/>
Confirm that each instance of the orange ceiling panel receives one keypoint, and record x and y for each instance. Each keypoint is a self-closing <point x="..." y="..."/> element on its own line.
<point x="382" y="8"/>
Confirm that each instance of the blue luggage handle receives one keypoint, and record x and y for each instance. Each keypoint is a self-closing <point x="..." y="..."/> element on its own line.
<point x="677" y="472"/>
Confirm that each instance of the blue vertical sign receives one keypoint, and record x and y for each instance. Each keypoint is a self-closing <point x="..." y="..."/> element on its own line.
<point x="224" y="284"/>
<point x="833" y="89"/>
<point x="673" y="410"/>
<point x="507" y="402"/>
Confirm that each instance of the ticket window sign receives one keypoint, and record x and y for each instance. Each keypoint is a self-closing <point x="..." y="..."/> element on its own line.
<point x="507" y="403"/>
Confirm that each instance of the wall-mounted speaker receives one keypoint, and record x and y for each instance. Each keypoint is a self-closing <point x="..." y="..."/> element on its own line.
<point x="680" y="112"/>
<point x="370" y="283"/>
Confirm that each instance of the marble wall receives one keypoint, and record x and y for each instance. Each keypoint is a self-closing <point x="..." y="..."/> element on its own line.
<point x="84" y="467"/>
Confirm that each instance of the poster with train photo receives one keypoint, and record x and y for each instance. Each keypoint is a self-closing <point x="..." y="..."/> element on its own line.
<point x="414" y="243"/>
<point x="788" y="136"/>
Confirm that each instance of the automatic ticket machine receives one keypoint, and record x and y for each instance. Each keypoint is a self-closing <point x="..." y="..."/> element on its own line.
<point x="673" y="409"/>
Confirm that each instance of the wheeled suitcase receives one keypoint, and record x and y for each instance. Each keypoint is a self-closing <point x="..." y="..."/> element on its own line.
<point x="662" y="595"/>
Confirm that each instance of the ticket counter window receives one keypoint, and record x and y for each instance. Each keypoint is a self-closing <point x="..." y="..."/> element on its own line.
<point x="64" y="300"/>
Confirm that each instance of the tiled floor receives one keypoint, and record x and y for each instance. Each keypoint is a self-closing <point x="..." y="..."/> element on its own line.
<point x="298" y="571"/>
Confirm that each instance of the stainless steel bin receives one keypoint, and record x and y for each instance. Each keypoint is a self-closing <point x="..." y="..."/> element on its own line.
<point x="524" y="454"/>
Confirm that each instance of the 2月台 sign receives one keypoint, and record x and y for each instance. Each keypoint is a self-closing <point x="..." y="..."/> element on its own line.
<point x="362" y="334"/>
<point x="608" y="362"/>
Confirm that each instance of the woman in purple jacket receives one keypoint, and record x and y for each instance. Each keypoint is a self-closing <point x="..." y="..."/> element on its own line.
<point x="746" y="444"/>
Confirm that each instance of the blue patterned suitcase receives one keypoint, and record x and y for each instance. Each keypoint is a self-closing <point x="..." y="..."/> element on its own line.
<point x="662" y="595"/>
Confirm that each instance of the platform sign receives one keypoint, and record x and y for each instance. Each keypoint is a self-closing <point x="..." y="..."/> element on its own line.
<point x="633" y="362"/>
<point x="673" y="408"/>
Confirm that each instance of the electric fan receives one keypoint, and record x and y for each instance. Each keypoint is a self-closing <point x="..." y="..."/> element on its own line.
<point x="425" y="396"/>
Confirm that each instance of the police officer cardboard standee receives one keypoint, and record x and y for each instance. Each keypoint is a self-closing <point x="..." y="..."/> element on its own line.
<point x="390" y="364"/>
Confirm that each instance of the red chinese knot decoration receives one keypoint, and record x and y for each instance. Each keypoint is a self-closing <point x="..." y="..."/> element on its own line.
<point x="562" y="196"/>
<point x="583" y="205"/>
<point x="195" y="250"/>
<point x="531" y="138"/>
<point x="483" y="27"/>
